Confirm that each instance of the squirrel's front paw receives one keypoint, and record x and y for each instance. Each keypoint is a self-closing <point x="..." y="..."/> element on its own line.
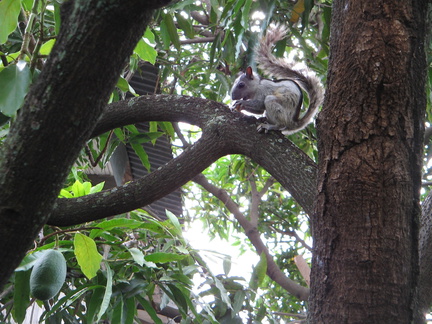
<point x="237" y="105"/>
<point x="263" y="128"/>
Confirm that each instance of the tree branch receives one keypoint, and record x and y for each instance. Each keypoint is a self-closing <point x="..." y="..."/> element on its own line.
<point x="252" y="233"/>
<point x="222" y="130"/>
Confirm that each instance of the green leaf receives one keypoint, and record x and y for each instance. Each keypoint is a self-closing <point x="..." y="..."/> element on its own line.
<point x="142" y="154"/>
<point x="69" y="299"/>
<point x="174" y="220"/>
<point x="165" y="37"/>
<point x="3" y="119"/>
<point x="181" y="278"/>
<point x="246" y="13"/>
<point x="65" y="194"/>
<point x="213" y="49"/>
<point x="258" y="273"/>
<point x="168" y="128"/>
<point x="180" y="296"/>
<point x="87" y="255"/>
<point x="186" y="25"/>
<point x="145" y="51"/>
<point x="27" y="4"/>
<point x="47" y="47"/>
<point x="171" y="30"/>
<point x="21" y="297"/>
<point x="93" y="306"/>
<point x="78" y="189"/>
<point x="87" y="187"/>
<point x="227" y="265"/>
<point x="122" y="84"/>
<point x="137" y="255"/>
<point x="130" y="311"/>
<point x="115" y="223"/>
<point x="15" y="80"/>
<point x="154" y="227"/>
<point x="146" y="137"/>
<point x="108" y="293"/>
<point x="97" y="188"/>
<point x="29" y="260"/>
<point x="161" y="257"/>
<point x="9" y="11"/>
<point x="239" y="297"/>
<point x="149" y="309"/>
<point x="117" y="316"/>
<point x="149" y="35"/>
<point x="223" y="293"/>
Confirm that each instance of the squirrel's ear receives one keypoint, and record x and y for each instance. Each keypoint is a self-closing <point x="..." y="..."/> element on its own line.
<point x="249" y="72"/>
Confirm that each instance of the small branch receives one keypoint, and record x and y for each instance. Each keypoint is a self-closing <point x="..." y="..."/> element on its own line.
<point x="295" y="235"/>
<point x="65" y="231"/>
<point x="301" y="316"/>
<point x="6" y="291"/>
<point x="251" y="232"/>
<point x="180" y="135"/>
<point x="198" y="40"/>
<point x="27" y="33"/>
<point x="201" y="18"/>
<point x="4" y="60"/>
<point x="270" y="181"/>
<point x="94" y="162"/>
<point x="257" y="198"/>
<point x="255" y="202"/>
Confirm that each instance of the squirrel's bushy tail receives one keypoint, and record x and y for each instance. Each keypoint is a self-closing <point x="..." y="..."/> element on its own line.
<point x="280" y="68"/>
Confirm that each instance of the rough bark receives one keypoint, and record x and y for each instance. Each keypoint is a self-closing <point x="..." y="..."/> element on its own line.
<point x="224" y="133"/>
<point x="424" y="296"/>
<point x="364" y="267"/>
<point x="60" y="111"/>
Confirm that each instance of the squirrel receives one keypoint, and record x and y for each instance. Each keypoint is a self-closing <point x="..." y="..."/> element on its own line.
<point x="282" y="99"/>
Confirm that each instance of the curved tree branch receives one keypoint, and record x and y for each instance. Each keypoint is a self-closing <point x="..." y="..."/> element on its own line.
<point x="224" y="133"/>
<point x="273" y="271"/>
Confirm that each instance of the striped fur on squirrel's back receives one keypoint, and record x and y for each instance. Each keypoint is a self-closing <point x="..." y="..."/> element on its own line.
<point x="280" y="68"/>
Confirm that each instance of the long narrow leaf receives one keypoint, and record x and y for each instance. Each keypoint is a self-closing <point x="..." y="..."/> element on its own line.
<point x="94" y="304"/>
<point x="130" y="311"/>
<point x="172" y="31"/>
<point x="117" y="316"/>
<point x="69" y="299"/>
<point x="149" y="309"/>
<point x="174" y="220"/>
<point x="21" y="295"/>
<point x="108" y="292"/>
<point x="142" y="154"/>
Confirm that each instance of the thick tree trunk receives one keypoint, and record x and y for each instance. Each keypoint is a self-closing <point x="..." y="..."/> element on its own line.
<point x="424" y="291"/>
<point x="365" y="263"/>
<point x="95" y="39"/>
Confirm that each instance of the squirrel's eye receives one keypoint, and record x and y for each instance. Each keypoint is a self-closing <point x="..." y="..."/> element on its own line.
<point x="241" y="85"/>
